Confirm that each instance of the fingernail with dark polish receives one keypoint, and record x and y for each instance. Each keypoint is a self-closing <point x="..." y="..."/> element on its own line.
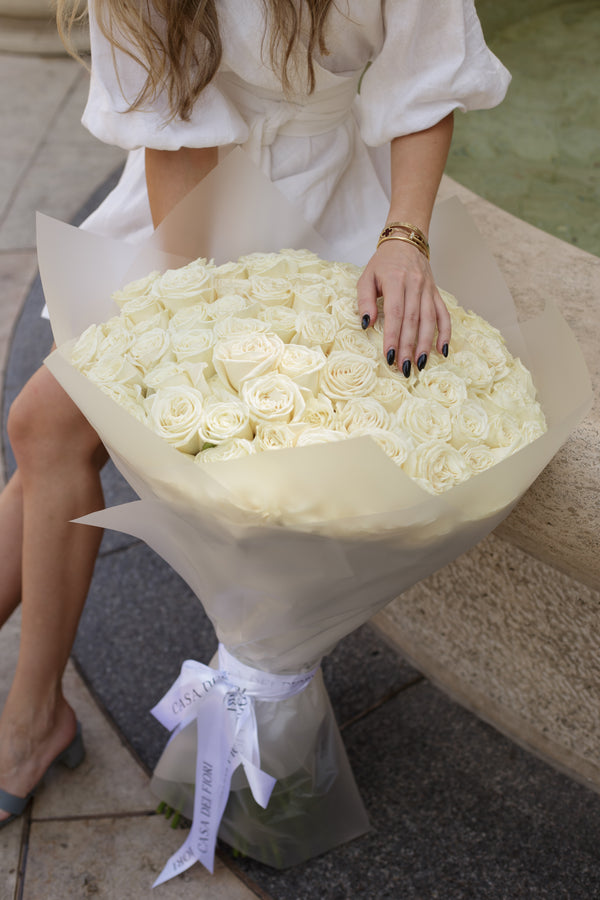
<point x="445" y="350"/>
<point x="366" y="320"/>
<point x="391" y="356"/>
<point x="406" y="368"/>
<point x="422" y="361"/>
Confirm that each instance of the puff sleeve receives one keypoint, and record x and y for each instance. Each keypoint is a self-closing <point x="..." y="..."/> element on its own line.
<point x="116" y="80"/>
<point x="433" y="60"/>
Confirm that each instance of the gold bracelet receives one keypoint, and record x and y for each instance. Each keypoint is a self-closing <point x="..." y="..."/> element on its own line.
<point x="413" y="236"/>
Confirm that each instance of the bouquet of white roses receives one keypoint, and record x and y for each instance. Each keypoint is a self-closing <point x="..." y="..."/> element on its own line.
<point x="288" y="551"/>
<point x="268" y="353"/>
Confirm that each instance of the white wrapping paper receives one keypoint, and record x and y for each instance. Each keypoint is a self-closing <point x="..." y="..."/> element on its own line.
<point x="289" y="551"/>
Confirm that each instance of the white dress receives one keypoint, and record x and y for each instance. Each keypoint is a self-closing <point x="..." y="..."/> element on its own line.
<point x="328" y="152"/>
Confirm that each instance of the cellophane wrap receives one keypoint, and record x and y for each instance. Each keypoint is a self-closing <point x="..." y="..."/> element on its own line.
<point x="289" y="551"/>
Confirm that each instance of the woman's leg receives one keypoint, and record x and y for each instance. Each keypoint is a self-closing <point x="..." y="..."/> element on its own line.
<point x="11" y="543"/>
<point x="59" y="458"/>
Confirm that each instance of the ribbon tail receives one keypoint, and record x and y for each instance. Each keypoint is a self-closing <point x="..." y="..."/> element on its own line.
<point x="183" y="859"/>
<point x="260" y="783"/>
<point x="215" y="763"/>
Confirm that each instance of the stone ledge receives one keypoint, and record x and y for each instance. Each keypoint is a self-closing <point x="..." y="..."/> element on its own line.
<point x="26" y="36"/>
<point x="516" y="642"/>
<point x="557" y="521"/>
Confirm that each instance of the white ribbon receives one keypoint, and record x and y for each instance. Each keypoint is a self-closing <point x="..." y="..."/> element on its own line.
<point x="222" y="702"/>
<point x="268" y="115"/>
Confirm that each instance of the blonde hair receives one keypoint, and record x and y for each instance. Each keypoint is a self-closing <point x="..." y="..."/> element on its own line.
<point x="185" y="55"/>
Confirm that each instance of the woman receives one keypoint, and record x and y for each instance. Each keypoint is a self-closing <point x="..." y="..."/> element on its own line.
<point x="279" y="78"/>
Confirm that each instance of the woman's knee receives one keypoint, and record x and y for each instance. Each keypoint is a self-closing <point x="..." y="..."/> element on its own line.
<point x="44" y="423"/>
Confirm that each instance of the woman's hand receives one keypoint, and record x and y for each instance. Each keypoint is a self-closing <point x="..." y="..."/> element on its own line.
<point x="412" y="305"/>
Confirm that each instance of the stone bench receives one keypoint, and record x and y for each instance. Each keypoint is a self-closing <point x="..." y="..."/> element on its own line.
<point x="512" y="629"/>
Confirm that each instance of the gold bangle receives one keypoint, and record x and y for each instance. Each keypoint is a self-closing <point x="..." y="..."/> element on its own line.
<point x="408" y="239"/>
<point x="413" y="235"/>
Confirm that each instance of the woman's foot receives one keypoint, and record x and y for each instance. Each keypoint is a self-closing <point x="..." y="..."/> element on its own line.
<point x="29" y="744"/>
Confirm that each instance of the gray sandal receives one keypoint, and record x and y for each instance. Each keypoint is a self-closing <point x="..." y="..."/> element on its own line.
<point x="71" y="757"/>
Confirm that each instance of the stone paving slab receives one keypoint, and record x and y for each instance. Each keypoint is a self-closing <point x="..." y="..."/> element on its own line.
<point x="10" y="846"/>
<point x="24" y="124"/>
<point x="48" y="161"/>
<point x="116" y="859"/>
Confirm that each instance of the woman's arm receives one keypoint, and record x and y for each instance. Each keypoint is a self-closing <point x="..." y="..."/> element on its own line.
<point x="399" y="272"/>
<point x="171" y="174"/>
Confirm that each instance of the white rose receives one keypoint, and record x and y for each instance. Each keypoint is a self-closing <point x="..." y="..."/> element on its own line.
<point x="376" y="339"/>
<point x="248" y="356"/>
<point x="231" y="305"/>
<point x="114" y="369"/>
<point x="362" y="414"/>
<point x="345" y="311"/>
<point x="470" y="422"/>
<point x="320" y="436"/>
<point x="355" y="341"/>
<point x="304" y="261"/>
<point x="312" y="298"/>
<point x="223" y="420"/>
<point x="344" y="276"/>
<point x="129" y="398"/>
<point x="473" y="368"/>
<point x="492" y="350"/>
<point x="437" y="466"/>
<point x="231" y="270"/>
<point x="470" y="323"/>
<point x="158" y="320"/>
<point x="315" y="329"/>
<point x="319" y="412"/>
<point x="277" y="436"/>
<point x="303" y="365"/>
<point x="238" y="286"/>
<point x="151" y="348"/>
<point x="271" y="291"/>
<point x="233" y="449"/>
<point x="174" y="374"/>
<point x="273" y="398"/>
<point x="175" y="414"/>
<point x="271" y="265"/>
<point x="510" y="396"/>
<point x="395" y="444"/>
<point x="187" y="286"/>
<point x="137" y="309"/>
<point x="521" y="376"/>
<point x="118" y="338"/>
<point x="235" y="326"/>
<point x="83" y="354"/>
<point x="302" y="280"/>
<point x="192" y="318"/>
<point x="219" y="391"/>
<point x="442" y="385"/>
<point x="391" y="392"/>
<point x="426" y="420"/>
<point x="504" y="432"/>
<point x="135" y="289"/>
<point x="532" y="429"/>
<point x="347" y="375"/>
<point x="480" y="457"/>
<point x="194" y="347"/>
<point x="281" y="320"/>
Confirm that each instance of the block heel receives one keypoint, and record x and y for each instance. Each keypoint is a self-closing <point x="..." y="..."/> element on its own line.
<point x="71" y="757"/>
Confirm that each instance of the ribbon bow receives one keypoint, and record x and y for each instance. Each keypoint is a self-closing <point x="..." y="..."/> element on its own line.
<point x="222" y="703"/>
